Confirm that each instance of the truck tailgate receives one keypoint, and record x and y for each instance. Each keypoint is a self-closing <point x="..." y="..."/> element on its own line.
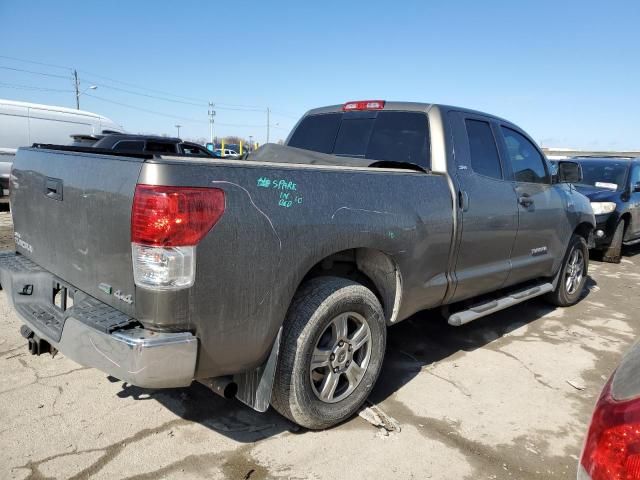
<point x="71" y="214"/>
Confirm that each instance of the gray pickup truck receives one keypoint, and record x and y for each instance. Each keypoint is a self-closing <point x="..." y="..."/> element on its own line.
<point x="273" y="279"/>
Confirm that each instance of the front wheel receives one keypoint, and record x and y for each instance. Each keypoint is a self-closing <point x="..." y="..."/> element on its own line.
<point x="573" y="274"/>
<point x="331" y="353"/>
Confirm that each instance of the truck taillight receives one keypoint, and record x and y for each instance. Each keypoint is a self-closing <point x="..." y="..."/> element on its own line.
<point x="363" y="105"/>
<point x="166" y="225"/>
<point x="612" y="448"/>
<point x="174" y="216"/>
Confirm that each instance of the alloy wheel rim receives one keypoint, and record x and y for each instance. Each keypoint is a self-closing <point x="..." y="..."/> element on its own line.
<point x="340" y="357"/>
<point x="575" y="271"/>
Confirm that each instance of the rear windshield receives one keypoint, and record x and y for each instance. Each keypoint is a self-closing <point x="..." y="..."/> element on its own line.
<point x="387" y="136"/>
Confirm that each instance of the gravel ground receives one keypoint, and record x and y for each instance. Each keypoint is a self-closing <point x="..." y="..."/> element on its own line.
<point x="505" y="397"/>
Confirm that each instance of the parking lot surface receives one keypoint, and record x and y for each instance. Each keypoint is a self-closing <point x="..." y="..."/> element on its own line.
<point x="508" y="396"/>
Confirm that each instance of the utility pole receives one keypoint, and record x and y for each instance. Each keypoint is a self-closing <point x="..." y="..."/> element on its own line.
<point x="178" y="127"/>
<point x="77" y="85"/>
<point x="212" y="113"/>
<point x="251" y="142"/>
<point x="268" y="112"/>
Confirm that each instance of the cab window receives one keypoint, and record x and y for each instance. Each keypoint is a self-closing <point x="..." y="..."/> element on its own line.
<point x="482" y="146"/>
<point x="161" y="147"/>
<point x="194" y="150"/>
<point x="129" y="146"/>
<point x="526" y="161"/>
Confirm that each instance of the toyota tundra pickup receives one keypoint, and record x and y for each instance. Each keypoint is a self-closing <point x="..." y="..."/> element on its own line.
<point x="273" y="279"/>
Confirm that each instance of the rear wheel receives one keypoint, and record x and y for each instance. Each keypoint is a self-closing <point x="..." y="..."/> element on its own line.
<point x="573" y="274"/>
<point x="613" y="253"/>
<point x="331" y="352"/>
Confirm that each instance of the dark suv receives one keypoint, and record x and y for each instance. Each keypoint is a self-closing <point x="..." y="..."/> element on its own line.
<point x="613" y="187"/>
<point x="127" y="143"/>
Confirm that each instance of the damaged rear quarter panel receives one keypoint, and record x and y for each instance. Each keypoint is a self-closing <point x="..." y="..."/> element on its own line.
<point x="279" y="222"/>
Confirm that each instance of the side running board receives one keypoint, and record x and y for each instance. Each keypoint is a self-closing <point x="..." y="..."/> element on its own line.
<point x="492" y="306"/>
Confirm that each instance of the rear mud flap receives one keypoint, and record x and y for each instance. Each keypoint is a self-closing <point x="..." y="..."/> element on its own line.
<point x="254" y="387"/>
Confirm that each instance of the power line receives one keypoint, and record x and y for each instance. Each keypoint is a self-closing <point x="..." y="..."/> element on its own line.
<point x="166" y="96"/>
<point x="248" y="109"/>
<point x="148" y="96"/>
<point x="35" y="63"/>
<point x="154" y="112"/>
<point x="237" y="108"/>
<point x="198" y="102"/>
<point x="139" y="87"/>
<point x="257" y="108"/>
<point x="30" y="87"/>
<point x="66" y="77"/>
<point x="240" y="125"/>
<point x="286" y="115"/>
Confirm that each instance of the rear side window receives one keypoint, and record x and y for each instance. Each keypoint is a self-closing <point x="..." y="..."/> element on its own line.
<point x="161" y="147"/>
<point x="482" y="146"/>
<point x="129" y="146"/>
<point x="526" y="161"/>
<point x="194" y="150"/>
<point x="400" y="137"/>
<point x="388" y="136"/>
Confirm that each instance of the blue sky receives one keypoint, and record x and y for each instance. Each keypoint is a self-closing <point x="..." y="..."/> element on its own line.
<point x="566" y="71"/>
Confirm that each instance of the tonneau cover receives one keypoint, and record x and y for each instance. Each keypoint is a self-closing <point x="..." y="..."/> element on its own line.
<point x="282" y="154"/>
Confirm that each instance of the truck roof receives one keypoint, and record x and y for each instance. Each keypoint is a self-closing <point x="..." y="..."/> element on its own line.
<point x="407" y="106"/>
<point x="139" y="136"/>
<point x="606" y="159"/>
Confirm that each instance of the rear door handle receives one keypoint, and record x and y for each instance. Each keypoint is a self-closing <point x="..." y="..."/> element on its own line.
<point x="525" y="200"/>
<point x="53" y="188"/>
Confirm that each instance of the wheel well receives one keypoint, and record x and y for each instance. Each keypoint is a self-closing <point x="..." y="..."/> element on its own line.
<point x="627" y="219"/>
<point x="373" y="268"/>
<point x="584" y="230"/>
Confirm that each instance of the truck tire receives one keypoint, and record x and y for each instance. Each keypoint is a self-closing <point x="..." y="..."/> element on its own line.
<point x="333" y="344"/>
<point x="613" y="253"/>
<point x="573" y="274"/>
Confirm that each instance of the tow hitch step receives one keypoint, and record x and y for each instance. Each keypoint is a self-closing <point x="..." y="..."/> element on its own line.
<point x="482" y="310"/>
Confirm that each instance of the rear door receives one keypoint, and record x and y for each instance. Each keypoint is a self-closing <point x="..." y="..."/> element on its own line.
<point x="543" y="226"/>
<point x="488" y="204"/>
<point x="72" y="216"/>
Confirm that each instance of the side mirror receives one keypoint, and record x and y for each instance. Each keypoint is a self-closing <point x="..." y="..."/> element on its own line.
<point x="636" y="187"/>
<point x="569" y="172"/>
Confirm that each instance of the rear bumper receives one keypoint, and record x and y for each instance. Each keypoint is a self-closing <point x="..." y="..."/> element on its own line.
<point x="94" y="334"/>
